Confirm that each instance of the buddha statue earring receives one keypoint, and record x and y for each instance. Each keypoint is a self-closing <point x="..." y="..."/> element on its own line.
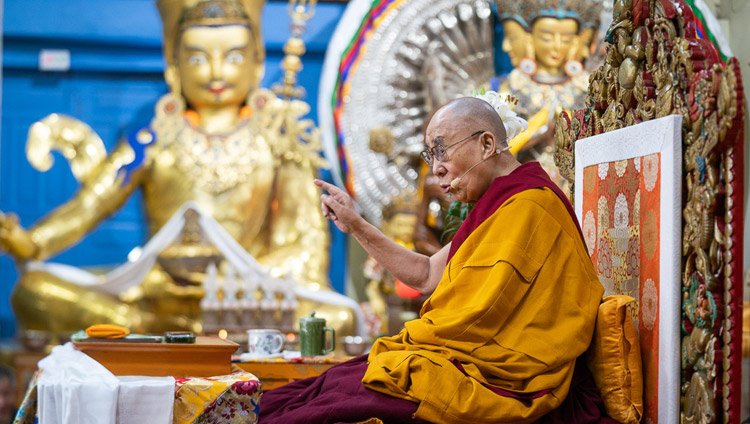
<point x="527" y="65"/>
<point x="171" y="103"/>
<point x="573" y="67"/>
<point x="256" y="98"/>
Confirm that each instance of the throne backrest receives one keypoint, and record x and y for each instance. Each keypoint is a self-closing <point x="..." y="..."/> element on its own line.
<point x="688" y="277"/>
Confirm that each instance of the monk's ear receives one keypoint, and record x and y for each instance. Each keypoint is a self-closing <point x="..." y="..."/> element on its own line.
<point x="488" y="143"/>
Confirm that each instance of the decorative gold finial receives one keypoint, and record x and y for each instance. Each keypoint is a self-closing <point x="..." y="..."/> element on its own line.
<point x="300" y="11"/>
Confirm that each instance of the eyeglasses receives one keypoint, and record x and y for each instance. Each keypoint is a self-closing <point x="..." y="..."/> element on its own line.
<point x="438" y="151"/>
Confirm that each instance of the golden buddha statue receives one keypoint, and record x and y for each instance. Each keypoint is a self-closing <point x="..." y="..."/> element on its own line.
<point x="547" y="59"/>
<point x="549" y="76"/>
<point x="217" y="140"/>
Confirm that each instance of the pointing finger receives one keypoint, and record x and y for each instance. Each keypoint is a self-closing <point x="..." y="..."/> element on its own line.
<point x="326" y="186"/>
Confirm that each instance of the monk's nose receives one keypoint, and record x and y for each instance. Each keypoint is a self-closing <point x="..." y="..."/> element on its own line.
<point x="438" y="168"/>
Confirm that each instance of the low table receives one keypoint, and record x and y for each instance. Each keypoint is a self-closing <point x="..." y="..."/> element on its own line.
<point x="276" y="372"/>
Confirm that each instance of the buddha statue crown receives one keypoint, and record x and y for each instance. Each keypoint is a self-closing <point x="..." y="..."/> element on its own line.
<point x="515" y="10"/>
<point x="176" y="15"/>
<point x="585" y="12"/>
<point x="213" y="12"/>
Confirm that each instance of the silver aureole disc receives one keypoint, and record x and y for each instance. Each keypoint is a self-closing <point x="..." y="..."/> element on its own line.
<point x="423" y="53"/>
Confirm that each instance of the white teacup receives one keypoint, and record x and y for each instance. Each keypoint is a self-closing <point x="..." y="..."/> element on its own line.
<point x="264" y="342"/>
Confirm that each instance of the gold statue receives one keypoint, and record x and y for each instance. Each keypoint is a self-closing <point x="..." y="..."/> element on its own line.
<point x="547" y="56"/>
<point x="216" y="139"/>
<point x="516" y="38"/>
<point x="549" y="74"/>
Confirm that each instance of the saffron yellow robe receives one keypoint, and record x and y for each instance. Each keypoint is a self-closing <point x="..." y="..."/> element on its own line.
<point x="516" y="306"/>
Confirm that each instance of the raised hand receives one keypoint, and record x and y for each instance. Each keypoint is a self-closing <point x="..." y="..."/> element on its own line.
<point x="338" y="206"/>
<point x="15" y="239"/>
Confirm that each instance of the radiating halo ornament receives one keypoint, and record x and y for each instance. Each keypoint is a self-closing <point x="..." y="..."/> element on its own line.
<point x="404" y="72"/>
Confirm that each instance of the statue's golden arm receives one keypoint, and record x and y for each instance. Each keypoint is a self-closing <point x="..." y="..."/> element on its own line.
<point x="299" y="237"/>
<point x="102" y="192"/>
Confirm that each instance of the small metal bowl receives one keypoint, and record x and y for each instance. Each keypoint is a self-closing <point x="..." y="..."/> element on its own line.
<point x="355" y="345"/>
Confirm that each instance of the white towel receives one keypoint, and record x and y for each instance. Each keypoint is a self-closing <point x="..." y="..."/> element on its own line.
<point x="75" y="389"/>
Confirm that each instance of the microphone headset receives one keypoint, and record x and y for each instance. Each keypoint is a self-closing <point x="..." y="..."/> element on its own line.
<point x="457" y="181"/>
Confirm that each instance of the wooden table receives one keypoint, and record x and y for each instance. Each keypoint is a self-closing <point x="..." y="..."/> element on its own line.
<point x="276" y="372"/>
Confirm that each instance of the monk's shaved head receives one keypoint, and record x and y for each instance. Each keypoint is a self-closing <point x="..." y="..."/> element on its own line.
<point x="477" y="114"/>
<point x="469" y="167"/>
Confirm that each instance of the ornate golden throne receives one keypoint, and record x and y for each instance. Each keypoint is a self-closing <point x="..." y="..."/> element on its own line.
<point x="655" y="67"/>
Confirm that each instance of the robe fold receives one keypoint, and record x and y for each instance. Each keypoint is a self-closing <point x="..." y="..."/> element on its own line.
<point x="336" y="396"/>
<point x="515" y="308"/>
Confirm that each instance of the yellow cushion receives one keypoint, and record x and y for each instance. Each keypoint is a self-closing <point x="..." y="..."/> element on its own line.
<point x="614" y="359"/>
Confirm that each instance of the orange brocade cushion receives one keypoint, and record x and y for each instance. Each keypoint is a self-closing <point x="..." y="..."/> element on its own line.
<point x="614" y="359"/>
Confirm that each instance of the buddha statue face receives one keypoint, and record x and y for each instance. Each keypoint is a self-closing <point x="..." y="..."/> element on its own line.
<point x="554" y="40"/>
<point x="218" y="66"/>
<point x="515" y="41"/>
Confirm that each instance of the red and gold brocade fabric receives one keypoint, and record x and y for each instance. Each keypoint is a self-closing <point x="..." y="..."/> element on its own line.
<point x="620" y="215"/>
<point x="225" y="399"/>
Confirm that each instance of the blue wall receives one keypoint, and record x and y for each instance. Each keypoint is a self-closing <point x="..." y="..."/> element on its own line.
<point x="114" y="80"/>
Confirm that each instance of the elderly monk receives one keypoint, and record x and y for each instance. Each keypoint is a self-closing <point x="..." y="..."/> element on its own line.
<point x="513" y="300"/>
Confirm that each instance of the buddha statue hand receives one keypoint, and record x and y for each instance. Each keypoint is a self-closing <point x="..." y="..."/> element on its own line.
<point x="14" y="239"/>
<point x="73" y="139"/>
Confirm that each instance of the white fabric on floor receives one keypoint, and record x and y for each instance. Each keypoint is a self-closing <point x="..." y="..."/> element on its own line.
<point x="75" y="389"/>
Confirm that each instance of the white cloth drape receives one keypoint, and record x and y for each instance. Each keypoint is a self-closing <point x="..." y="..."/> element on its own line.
<point x="75" y="389"/>
<point x="128" y="274"/>
<point x="133" y="273"/>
